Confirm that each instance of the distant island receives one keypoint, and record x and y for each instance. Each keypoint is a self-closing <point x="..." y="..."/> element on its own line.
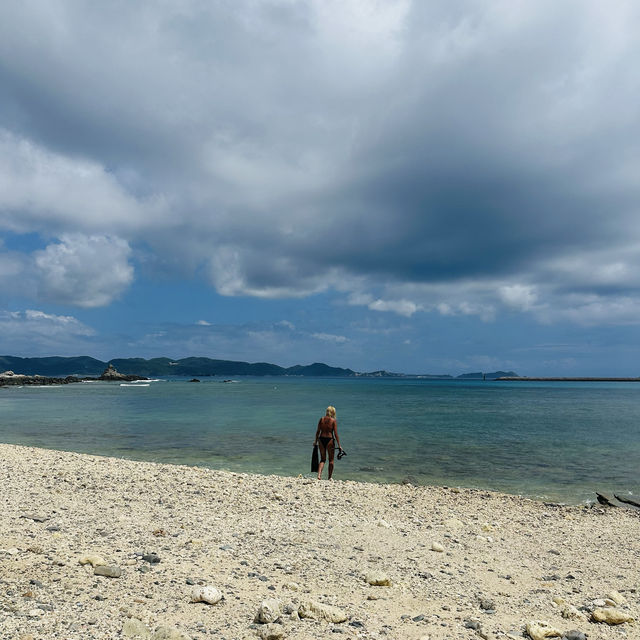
<point x="57" y="366"/>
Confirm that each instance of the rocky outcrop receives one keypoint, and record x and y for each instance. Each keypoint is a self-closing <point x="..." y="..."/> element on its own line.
<point x="9" y="378"/>
<point x="110" y="374"/>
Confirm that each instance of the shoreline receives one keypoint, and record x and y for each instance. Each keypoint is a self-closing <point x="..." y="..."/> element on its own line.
<point x="577" y="499"/>
<point x="450" y="563"/>
<point x="563" y="379"/>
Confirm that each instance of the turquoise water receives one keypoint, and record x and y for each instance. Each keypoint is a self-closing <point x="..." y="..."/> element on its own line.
<point x="553" y="441"/>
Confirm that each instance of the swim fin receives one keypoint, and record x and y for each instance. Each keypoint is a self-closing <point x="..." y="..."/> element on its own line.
<point x="314" y="459"/>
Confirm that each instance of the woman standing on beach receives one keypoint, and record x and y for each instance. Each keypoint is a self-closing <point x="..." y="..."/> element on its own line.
<point x="326" y="439"/>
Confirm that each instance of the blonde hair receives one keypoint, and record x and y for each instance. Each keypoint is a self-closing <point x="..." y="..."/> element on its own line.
<point x="331" y="411"/>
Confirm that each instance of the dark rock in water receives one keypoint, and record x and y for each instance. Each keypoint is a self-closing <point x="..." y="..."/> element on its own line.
<point x="9" y="378"/>
<point x="605" y="500"/>
<point x="194" y="380"/>
<point x="110" y="373"/>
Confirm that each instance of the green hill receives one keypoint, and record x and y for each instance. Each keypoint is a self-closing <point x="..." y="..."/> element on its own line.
<point x="86" y="366"/>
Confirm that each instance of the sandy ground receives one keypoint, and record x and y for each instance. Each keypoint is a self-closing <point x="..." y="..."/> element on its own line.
<point x="454" y="563"/>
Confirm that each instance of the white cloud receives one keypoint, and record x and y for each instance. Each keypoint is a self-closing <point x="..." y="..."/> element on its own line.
<point x="590" y="310"/>
<point x="518" y="296"/>
<point x="34" y="332"/>
<point x="86" y="271"/>
<point x="435" y="156"/>
<point x="329" y="337"/>
<point x="401" y="306"/>
<point x="60" y="193"/>
<point x="18" y="325"/>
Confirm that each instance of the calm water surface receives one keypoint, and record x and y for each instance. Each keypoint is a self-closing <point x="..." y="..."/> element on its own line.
<point x="555" y="441"/>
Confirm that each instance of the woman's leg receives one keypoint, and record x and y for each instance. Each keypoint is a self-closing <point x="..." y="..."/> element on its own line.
<point x="323" y="458"/>
<point x="332" y="449"/>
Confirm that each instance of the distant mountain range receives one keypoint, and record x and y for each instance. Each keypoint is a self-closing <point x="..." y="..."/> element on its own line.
<point x="87" y="366"/>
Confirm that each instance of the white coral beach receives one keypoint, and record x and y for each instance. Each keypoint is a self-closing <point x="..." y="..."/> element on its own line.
<point x="456" y="563"/>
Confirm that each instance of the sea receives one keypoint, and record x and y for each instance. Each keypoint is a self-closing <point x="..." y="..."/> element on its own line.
<point x="550" y="441"/>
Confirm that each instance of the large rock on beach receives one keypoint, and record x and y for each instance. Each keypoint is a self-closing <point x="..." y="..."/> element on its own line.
<point x="134" y="628"/>
<point x="169" y="633"/>
<point x="268" y="611"/>
<point x="377" y="579"/>
<point x="609" y="615"/>
<point x="540" y="630"/>
<point x="107" y="571"/>
<point x="93" y="559"/>
<point x="617" y="597"/>
<point x="209" y="595"/>
<point x="271" y="632"/>
<point x="320" y="611"/>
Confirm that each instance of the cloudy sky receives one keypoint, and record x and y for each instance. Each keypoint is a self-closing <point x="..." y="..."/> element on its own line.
<point x="426" y="187"/>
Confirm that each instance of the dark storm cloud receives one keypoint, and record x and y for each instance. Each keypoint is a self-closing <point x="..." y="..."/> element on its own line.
<point x="415" y="156"/>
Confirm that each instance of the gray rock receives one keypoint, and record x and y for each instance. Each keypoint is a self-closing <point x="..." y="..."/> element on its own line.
<point x="271" y="632"/>
<point x="169" y="633"/>
<point x="35" y="517"/>
<point x="107" y="571"/>
<point x="134" y="628"/>
<point x="151" y="558"/>
<point x="574" y="635"/>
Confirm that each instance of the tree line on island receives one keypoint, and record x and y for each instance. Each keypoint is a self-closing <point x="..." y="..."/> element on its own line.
<point x="87" y="366"/>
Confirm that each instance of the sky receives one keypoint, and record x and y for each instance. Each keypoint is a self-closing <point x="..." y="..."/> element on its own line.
<point x="421" y="187"/>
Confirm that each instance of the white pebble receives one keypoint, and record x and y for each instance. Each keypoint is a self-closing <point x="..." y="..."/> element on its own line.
<point x="210" y="595"/>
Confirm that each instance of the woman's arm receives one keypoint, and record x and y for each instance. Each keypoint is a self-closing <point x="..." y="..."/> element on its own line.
<point x="335" y="432"/>
<point x="315" y="440"/>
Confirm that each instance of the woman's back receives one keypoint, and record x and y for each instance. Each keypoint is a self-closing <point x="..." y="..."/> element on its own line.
<point x="327" y="426"/>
